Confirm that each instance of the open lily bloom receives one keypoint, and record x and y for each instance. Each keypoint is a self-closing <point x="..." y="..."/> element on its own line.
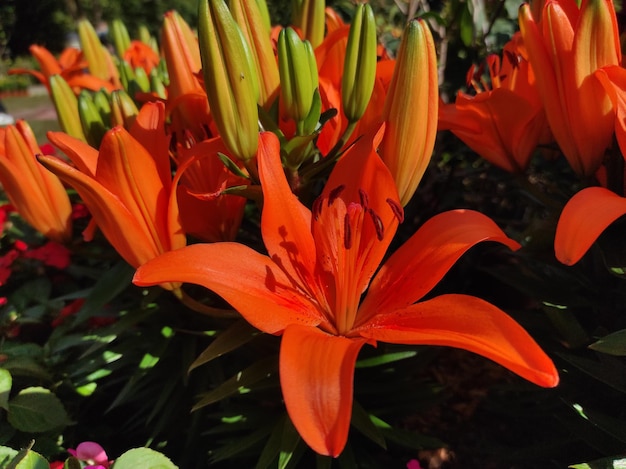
<point x="70" y="65"/>
<point x="505" y="120"/>
<point x="127" y="185"/>
<point x="565" y="47"/>
<point x="38" y="195"/>
<point x="322" y="260"/>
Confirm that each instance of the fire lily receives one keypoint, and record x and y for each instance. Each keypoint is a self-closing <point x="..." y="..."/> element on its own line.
<point x="322" y="260"/>
<point x="38" y="195"/>
<point x="127" y="186"/>
<point x="565" y="49"/>
<point x="584" y="218"/>
<point x="505" y="120"/>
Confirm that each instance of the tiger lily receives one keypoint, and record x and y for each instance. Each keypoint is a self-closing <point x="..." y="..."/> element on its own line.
<point x="319" y="263"/>
<point x="127" y="185"/>
<point x="505" y="120"/>
<point x="585" y="216"/>
<point x="140" y="54"/>
<point x="565" y="48"/>
<point x="38" y="195"/>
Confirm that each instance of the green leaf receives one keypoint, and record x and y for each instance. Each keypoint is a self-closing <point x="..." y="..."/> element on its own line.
<point x="143" y="458"/>
<point x="5" y="388"/>
<point x="385" y="358"/>
<point x="613" y="462"/>
<point x="235" y="336"/>
<point x="467" y="27"/>
<point x="362" y="421"/>
<point x="6" y="455"/>
<point x="613" y="344"/>
<point x="36" y="409"/>
<point x="28" y="459"/>
<point x="72" y="463"/>
<point x="240" y="382"/>
<point x="111" y="284"/>
<point x="288" y="444"/>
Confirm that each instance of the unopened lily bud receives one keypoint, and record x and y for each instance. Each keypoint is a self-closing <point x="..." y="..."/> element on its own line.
<point x="120" y="36"/>
<point x="230" y="78"/>
<point x="309" y="16"/>
<point x="123" y="109"/>
<point x="250" y="19"/>
<point x="147" y="38"/>
<point x="66" y="105"/>
<point x="102" y="101"/>
<point x="142" y="80"/>
<point x="298" y="74"/>
<point x="411" y="109"/>
<point x="359" y="72"/>
<point x="156" y="84"/>
<point x="95" y="54"/>
<point x="90" y="119"/>
<point x="265" y="14"/>
<point x="127" y="74"/>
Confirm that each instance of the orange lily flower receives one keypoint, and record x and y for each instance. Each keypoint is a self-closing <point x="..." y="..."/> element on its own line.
<point x="614" y="81"/>
<point x="140" y="54"/>
<point x="322" y="260"/>
<point x="565" y="49"/>
<point x="37" y="194"/>
<point x="503" y="122"/>
<point x="70" y="65"/>
<point x="203" y="180"/>
<point x="585" y="216"/>
<point x="127" y="185"/>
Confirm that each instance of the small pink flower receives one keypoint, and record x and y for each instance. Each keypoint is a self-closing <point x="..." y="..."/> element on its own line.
<point x="413" y="464"/>
<point x="91" y="453"/>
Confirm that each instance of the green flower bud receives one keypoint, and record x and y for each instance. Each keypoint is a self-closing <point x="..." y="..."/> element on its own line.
<point x="156" y="84"/>
<point x="121" y="38"/>
<point x="359" y="72"/>
<point x="93" y="50"/>
<point x="298" y="74"/>
<point x="310" y="17"/>
<point x="90" y="119"/>
<point x="101" y="99"/>
<point x="230" y="78"/>
<point x="66" y="105"/>
<point x="123" y="109"/>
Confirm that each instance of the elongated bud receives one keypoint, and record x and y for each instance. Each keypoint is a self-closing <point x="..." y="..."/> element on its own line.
<point x="156" y="84"/>
<point x="123" y="109"/>
<point x="95" y="54"/>
<point x="102" y="101"/>
<point x="90" y="119"/>
<point x="230" y="78"/>
<point x="147" y="38"/>
<point x="120" y="36"/>
<point x="127" y="74"/>
<point x="309" y="16"/>
<point x="298" y="74"/>
<point x="359" y="72"/>
<point x="248" y="16"/>
<point x="142" y="80"/>
<point x="66" y="105"/>
<point x="411" y="109"/>
<point x="265" y="14"/>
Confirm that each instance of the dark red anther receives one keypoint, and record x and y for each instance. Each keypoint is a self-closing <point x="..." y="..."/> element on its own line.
<point x="397" y="209"/>
<point x="333" y="194"/>
<point x="347" y="232"/>
<point x="378" y="224"/>
<point x="365" y="200"/>
<point x="514" y="59"/>
<point x="316" y="209"/>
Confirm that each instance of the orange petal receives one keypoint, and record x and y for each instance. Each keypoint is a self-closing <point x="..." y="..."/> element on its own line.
<point x="421" y="262"/>
<point x="119" y="226"/>
<point x="82" y="155"/>
<point x="583" y="219"/>
<point x="316" y="376"/>
<point x="468" y="323"/>
<point x="249" y="281"/>
<point x="285" y="223"/>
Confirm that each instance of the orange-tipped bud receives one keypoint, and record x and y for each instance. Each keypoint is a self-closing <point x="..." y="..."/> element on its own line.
<point x="411" y="108"/>
<point x="250" y="19"/>
<point x="230" y="78"/>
